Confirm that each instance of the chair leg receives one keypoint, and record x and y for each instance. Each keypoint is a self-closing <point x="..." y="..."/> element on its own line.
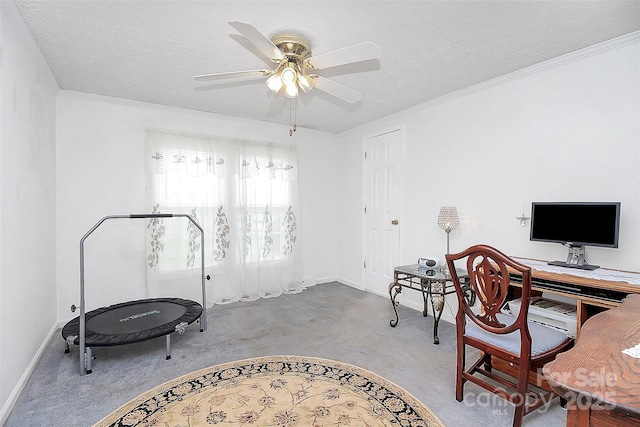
<point x="459" y="371"/>
<point x="521" y="398"/>
<point x="518" y="415"/>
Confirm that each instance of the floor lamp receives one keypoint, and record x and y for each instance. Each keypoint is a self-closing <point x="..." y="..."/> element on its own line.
<point x="448" y="220"/>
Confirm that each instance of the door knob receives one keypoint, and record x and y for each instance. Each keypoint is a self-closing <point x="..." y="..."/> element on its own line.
<point x="394" y="222"/>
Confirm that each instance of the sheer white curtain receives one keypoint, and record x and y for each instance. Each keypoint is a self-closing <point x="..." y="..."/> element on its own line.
<point x="243" y="194"/>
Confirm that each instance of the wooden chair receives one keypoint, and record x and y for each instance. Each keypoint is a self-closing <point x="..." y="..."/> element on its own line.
<point x="525" y="345"/>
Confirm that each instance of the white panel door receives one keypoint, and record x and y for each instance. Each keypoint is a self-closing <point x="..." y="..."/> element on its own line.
<point x="382" y="209"/>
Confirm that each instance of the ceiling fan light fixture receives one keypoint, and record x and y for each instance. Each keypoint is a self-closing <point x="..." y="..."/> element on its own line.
<point x="305" y="82"/>
<point x="275" y="82"/>
<point x="291" y="90"/>
<point x="289" y="75"/>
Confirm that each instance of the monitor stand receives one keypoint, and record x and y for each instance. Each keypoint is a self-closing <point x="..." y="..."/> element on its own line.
<point x="569" y="265"/>
<point x="575" y="259"/>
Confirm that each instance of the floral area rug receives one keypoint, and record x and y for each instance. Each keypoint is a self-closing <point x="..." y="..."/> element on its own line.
<point x="279" y="391"/>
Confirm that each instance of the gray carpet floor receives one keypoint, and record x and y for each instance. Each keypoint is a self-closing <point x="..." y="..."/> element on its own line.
<point x="330" y="320"/>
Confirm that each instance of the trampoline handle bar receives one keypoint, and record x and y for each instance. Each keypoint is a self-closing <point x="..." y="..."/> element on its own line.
<point x="203" y="317"/>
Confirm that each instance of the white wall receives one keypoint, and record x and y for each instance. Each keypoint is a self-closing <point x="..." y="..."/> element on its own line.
<point x="101" y="171"/>
<point x="567" y="130"/>
<point x="27" y="216"/>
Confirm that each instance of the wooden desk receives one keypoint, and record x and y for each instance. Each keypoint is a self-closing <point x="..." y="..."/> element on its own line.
<point x="600" y="383"/>
<point x="592" y="294"/>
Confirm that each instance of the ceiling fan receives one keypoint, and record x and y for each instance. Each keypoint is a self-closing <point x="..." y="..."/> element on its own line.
<point x="295" y="67"/>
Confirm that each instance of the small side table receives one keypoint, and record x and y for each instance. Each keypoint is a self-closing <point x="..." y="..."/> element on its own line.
<point x="433" y="286"/>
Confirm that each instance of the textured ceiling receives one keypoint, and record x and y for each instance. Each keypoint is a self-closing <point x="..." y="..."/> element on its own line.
<point x="149" y="50"/>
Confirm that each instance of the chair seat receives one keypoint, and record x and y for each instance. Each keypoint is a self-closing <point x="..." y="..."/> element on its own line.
<point x="543" y="339"/>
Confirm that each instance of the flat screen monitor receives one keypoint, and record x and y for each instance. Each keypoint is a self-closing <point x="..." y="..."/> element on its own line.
<point x="575" y="225"/>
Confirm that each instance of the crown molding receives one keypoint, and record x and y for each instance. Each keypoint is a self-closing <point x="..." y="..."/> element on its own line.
<point x="560" y="61"/>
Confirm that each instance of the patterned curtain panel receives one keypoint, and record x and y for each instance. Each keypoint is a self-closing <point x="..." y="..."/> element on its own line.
<point x="244" y="195"/>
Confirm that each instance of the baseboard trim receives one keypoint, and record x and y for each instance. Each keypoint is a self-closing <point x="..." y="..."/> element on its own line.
<point x="17" y="390"/>
<point x="350" y="283"/>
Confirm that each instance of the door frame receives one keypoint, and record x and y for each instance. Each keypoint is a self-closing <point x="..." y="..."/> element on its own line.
<point x="402" y="129"/>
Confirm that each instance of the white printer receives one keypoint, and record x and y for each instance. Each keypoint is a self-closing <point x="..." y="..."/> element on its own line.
<point x="547" y="312"/>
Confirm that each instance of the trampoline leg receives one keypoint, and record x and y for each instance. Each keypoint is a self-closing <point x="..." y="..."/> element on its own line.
<point x="168" y="346"/>
<point x="87" y="360"/>
<point x="66" y="347"/>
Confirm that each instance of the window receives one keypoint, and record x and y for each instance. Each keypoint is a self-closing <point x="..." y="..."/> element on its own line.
<point x="242" y="193"/>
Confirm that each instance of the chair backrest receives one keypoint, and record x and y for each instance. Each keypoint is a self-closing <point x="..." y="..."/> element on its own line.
<point x="488" y="271"/>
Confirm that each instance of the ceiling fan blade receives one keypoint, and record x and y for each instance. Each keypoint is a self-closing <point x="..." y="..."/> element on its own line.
<point x="336" y="89"/>
<point x="356" y="53"/>
<point x="262" y="42"/>
<point x="233" y="75"/>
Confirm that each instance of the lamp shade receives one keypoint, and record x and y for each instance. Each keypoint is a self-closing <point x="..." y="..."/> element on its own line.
<point x="289" y="76"/>
<point x="448" y="218"/>
<point x="291" y="90"/>
<point x="275" y="83"/>
<point x="305" y="82"/>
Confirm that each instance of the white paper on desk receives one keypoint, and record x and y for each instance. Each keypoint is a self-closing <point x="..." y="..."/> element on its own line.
<point x="633" y="351"/>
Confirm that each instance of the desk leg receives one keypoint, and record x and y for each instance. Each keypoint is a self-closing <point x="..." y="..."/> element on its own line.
<point x="578" y="417"/>
<point x="436" y="291"/>
<point x="394" y="290"/>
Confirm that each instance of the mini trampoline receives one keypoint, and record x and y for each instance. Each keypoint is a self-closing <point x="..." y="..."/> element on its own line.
<point x="132" y="321"/>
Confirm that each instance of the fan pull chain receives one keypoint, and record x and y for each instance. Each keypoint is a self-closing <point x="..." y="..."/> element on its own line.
<point x="292" y="113"/>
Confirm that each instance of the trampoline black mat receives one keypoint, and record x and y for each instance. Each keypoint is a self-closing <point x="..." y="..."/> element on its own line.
<point x="133" y="321"/>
